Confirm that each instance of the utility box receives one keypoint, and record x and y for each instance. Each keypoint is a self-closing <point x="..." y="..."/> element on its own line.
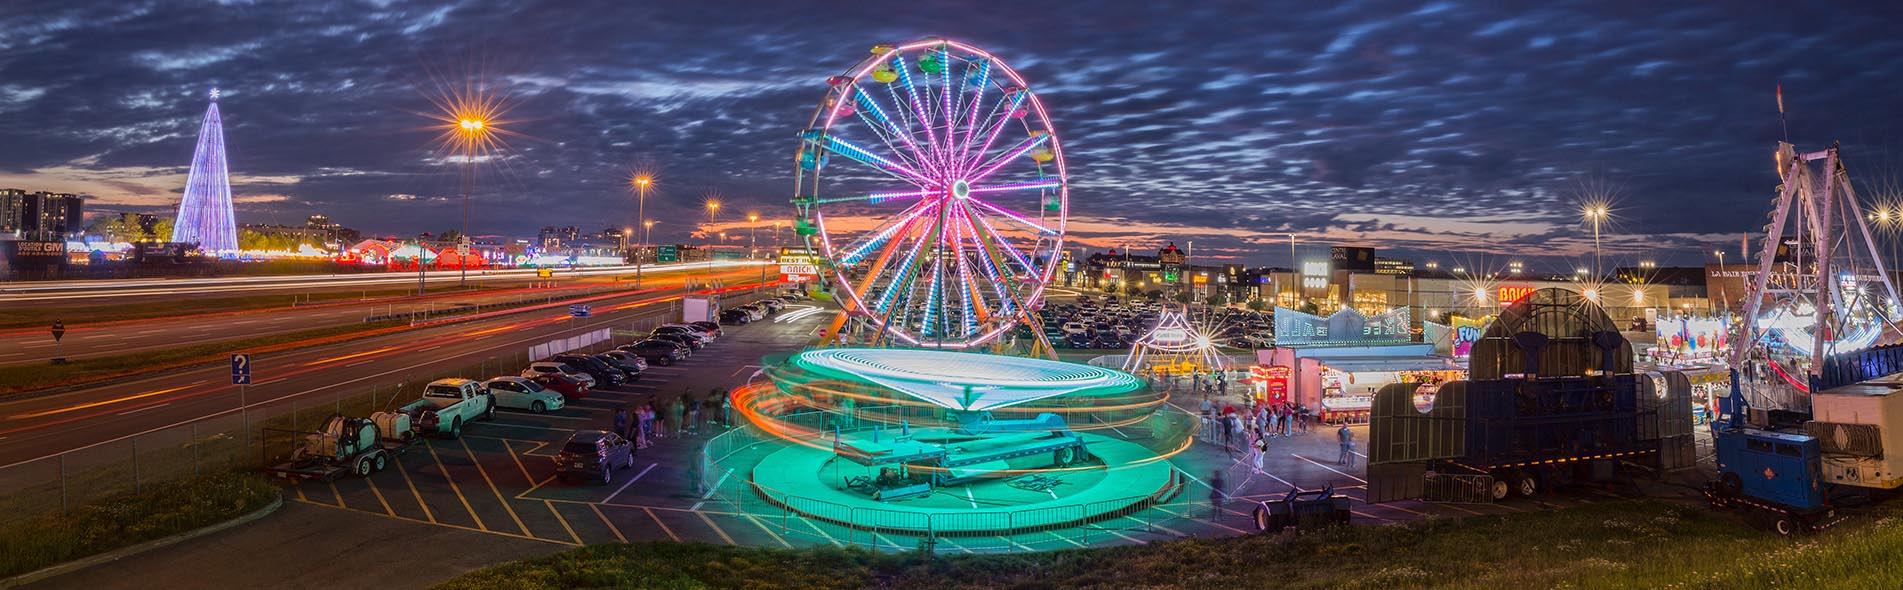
<point x="1854" y="424"/>
<point x="700" y="308"/>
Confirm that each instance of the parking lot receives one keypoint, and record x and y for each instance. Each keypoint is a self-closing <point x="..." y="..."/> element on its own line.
<point x="499" y="477"/>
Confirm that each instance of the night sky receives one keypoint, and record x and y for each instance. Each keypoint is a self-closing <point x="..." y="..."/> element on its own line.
<point x="1433" y="128"/>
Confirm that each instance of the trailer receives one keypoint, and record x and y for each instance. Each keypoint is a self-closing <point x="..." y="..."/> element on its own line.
<point x="345" y="446"/>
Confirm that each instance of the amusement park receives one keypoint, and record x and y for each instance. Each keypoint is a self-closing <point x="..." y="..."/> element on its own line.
<point x="1124" y="306"/>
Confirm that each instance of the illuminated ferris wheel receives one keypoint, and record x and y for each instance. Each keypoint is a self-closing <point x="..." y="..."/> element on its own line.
<point x="945" y="221"/>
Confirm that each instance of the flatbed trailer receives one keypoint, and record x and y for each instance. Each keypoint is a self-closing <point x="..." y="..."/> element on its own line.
<point x="320" y="456"/>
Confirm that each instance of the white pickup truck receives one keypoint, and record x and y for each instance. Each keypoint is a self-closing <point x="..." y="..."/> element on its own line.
<point x="448" y="404"/>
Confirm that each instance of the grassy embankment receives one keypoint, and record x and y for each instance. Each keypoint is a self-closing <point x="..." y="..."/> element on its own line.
<point x="30" y="377"/>
<point x="161" y="510"/>
<point x="1621" y="545"/>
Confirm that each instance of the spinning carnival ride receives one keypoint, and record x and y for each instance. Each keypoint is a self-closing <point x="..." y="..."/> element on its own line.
<point x="1820" y="287"/>
<point x="946" y="226"/>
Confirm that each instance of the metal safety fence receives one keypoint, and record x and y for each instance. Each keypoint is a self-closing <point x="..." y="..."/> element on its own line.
<point x="234" y="438"/>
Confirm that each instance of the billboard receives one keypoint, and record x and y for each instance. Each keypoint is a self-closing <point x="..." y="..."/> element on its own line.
<point x="1692" y="336"/>
<point x="1352" y="258"/>
<point x="798" y="265"/>
<point x="1345" y="327"/>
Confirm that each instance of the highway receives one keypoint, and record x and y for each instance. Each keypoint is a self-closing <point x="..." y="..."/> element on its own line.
<point x="96" y="291"/>
<point x="42" y="426"/>
<point x="82" y="340"/>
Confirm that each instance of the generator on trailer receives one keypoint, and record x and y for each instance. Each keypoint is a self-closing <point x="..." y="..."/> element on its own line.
<point x="346" y="445"/>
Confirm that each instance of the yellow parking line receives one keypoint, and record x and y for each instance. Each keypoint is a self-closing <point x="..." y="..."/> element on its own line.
<point x="717" y="529"/>
<point x="776" y="536"/>
<point x="493" y="489"/>
<point x="664" y="529"/>
<point x="379" y="493"/>
<point x="300" y="491"/>
<point x="518" y="463"/>
<point x="564" y="521"/>
<point x="610" y="523"/>
<point x="461" y="527"/>
<point x="829" y="536"/>
<point x="413" y="492"/>
<point x="336" y="494"/>
<point x="456" y="488"/>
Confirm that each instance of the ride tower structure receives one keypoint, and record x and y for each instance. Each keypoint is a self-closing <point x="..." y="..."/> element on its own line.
<point x="1821" y="286"/>
<point x="949" y="225"/>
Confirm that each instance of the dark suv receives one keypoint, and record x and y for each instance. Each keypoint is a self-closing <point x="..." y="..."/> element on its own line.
<point x="603" y="374"/>
<point x="660" y="352"/>
<point x="594" y="454"/>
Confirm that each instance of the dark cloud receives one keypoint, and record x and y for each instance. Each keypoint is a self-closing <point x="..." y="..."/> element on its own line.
<point x="1390" y="123"/>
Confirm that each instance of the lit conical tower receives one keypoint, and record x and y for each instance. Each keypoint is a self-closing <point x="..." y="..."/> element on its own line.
<point x="204" y="216"/>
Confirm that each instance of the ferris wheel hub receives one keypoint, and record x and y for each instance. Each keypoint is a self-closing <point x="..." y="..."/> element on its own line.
<point x="961" y="190"/>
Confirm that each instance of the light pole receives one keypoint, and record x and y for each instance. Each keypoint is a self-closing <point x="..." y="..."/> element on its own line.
<point x="753" y="247"/>
<point x="776" y="235"/>
<point x="641" y="210"/>
<point x="1595" y="214"/>
<point x="713" y="207"/>
<point x="473" y="130"/>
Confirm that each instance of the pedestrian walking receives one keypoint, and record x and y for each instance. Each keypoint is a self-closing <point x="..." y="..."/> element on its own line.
<point x="1288" y="420"/>
<point x="726" y="409"/>
<point x="1217" y="491"/>
<point x="693" y="414"/>
<point x="1347" y="439"/>
<point x="621" y="422"/>
<point x="660" y="420"/>
<point x="644" y="417"/>
<point x="678" y="413"/>
<point x="1229" y="427"/>
<point x="1261" y="448"/>
<point x="1274" y="422"/>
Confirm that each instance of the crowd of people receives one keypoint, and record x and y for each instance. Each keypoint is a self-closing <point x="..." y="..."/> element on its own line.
<point x="686" y="415"/>
<point x="1251" y="424"/>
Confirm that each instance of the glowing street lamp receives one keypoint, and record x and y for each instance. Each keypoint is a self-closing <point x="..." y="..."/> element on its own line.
<point x="753" y="219"/>
<point x="641" y="183"/>
<point x="1596" y="213"/>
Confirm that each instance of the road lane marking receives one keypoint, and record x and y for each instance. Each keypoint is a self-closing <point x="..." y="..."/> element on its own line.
<point x="564" y="521"/>
<point x="710" y="522"/>
<point x="349" y="356"/>
<point x="604" y="520"/>
<point x="98" y="403"/>
<point x="494" y="490"/>
<point x="664" y="529"/>
<point x="630" y="482"/>
<point x="1318" y="464"/>
<point x="130" y="412"/>
<point x="455" y="526"/>
<point x="413" y="492"/>
<point x="455" y="488"/>
<point x="776" y="536"/>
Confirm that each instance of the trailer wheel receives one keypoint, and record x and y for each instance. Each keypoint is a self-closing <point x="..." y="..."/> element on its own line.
<point x="1500" y="489"/>
<point x="364" y="465"/>
<point x="383" y="460"/>
<point x="1525" y="484"/>
<point x="1787" y="525"/>
<point x="538" y="407"/>
<point x="1064" y="456"/>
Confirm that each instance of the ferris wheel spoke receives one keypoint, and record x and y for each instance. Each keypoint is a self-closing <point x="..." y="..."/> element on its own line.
<point x="852" y="151"/>
<point x="1022" y="148"/>
<point x="1035" y="185"/>
<point x="881" y="197"/>
<point x="997" y="238"/>
<point x="972" y="123"/>
<point x="994" y="266"/>
<point x="882" y="233"/>
<point x="1015" y="101"/>
<point x="918" y="106"/>
<point x="1041" y="229"/>
<point x="885" y="127"/>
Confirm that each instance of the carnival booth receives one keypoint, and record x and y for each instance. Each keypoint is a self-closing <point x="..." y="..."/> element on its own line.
<point x="1335" y="364"/>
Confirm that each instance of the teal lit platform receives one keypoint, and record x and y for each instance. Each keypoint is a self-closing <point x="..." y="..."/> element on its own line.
<point x="1120" y="478"/>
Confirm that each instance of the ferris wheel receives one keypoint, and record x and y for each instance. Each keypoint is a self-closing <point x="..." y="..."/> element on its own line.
<point x="945" y="219"/>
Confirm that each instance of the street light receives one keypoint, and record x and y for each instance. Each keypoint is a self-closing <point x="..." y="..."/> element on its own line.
<point x="1595" y="213"/>
<point x="641" y="183"/>
<point x="753" y="247"/>
<point x="473" y="129"/>
<point x="713" y="207"/>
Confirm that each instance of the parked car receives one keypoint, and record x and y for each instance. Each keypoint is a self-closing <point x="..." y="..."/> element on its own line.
<point x="572" y="389"/>
<point x="735" y="317"/>
<point x="447" y="404"/>
<point x="1074" y="328"/>
<point x="773" y="305"/>
<point x="522" y="393"/>
<point x="688" y="340"/>
<point x="688" y="331"/>
<point x="593" y="454"/>
<point x="708" y="327"/>
<point x="603" y="374"/>
<point x="657" y="351"/>
<point x="542" y="367"/>
<point x="628" y="364"/>
<point x="758" y="312"/>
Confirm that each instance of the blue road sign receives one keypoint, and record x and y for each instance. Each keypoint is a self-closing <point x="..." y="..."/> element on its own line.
<point x="240" y="369"/>
<point x="580" y="310"/>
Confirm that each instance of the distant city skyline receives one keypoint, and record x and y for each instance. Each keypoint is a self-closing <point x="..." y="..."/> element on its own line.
<point x="1443" y="130"/>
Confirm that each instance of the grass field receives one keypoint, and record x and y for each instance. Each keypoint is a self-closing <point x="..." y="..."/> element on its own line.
<point x="1616" y="545"/>
<point x="160" y="510"/>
